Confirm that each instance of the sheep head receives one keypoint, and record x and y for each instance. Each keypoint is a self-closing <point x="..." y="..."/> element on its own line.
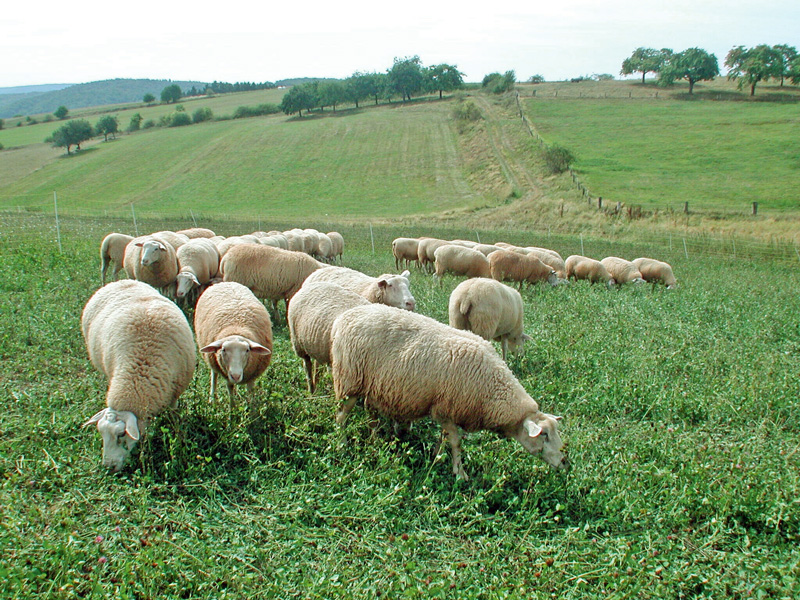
<point x="538" y="434"/>
<point x="120" y="432"/>
<point x="186" y="283"/>
<point x="395" y="292"/>
<point x="233" y="353"/>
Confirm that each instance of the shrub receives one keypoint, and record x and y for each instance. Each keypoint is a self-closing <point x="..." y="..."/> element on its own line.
<point x="2" y="147"/>
<point x="148" y="124"/>
<point x="558" y="159"/>
<point x="498" y="84"/>
<point x="536" y="79"/>
<point x="243" y="112"/>
<point x="179" y="119"/>
<point x="136" y="123"/>
<point x="202" y="114"/>
<point x="467" y="111"/>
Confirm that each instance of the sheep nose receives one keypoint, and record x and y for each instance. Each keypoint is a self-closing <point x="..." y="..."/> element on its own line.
<point x="565" y="463"/>
<point x="411" y="305"/>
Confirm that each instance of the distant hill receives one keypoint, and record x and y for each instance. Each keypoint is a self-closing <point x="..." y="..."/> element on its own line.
<point x="110" y="91"/>
<point x="301" y="81"/>
<point x="30" y="89"/>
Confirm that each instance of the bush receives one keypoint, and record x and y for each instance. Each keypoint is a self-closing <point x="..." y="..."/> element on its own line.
<point x="244" y="112"/>
<point x="558" y="159"/>
<point x="2" y="147"/>
<point x="202" y="114"/>
<point x="467" y="111"/>
<point x="499" y="84"/>
<point x="179" y="119"/>
<point x="536" y="79"/>
<point x="150" y="123"/>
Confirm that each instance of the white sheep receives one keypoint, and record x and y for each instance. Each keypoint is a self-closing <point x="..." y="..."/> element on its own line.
<point x="270" y="273"/>
<point x="425" y="250"/>
<point x="338" y="244"/>
<point x="392" y="290"/>
<point x="623" y="271"/>
<point x="174" y="238"/>
<point x="486" y="249"/>
<point x="311" y="313"/>
<point x="324" y="248"/>
<point x="152" y="259"/>
<point x="583" y="267"/>
<point x="142" y="343"/>
<point x="507" y="265"/>
<point x="198" y="264"/>
<point x="489" y="309"/>
<point x="234" y="333"/>
<point x="405" y="250"/>
<point x="407" y="366"/>
<point x="112" y="250"/>
<point x="226" y="244"/>
<point x="460" y="260"/>
<point x="197" y="232"/>
<point x="656" y="271"/>
<point x="551" y="258"/>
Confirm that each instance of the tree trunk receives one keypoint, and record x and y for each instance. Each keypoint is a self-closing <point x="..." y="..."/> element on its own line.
<point x="691" y="86"/>
<point x="752" y="89"/>
<point x="643" y="74"/>
<point x="440" y="94"/>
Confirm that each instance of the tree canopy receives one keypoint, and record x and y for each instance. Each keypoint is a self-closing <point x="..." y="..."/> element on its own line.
<point x="751" y="65"/>
<point x="148" y="98"/>
<point x="171" y="93"/>
<point x="444" y="78"/>
<point x="693" y="65"/>
<point x="107" y="125"/>
<point x="299" y="98"/>
<point x="788" y="54"/>
<point x="405" y="78"/>
<point x="645" y="60"/>
<point x="61" y="112"/>
<point x="72" y="133"/>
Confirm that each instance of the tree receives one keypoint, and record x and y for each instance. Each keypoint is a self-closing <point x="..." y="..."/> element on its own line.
<point x="202" y="114"/>
<point x="498" y="84"/>
<point x="645" y="60"/>
<point x="536" y="79"/>
<point x="444" y="78"/>
<point x="299" y="98"/>
<point x="148" y="98"/>
<point x="331" y="93"/>
<point x="171" y="93"/>
<point x="2" y="124"/>
<point x="136" y="122"/>
<point x="794" y="71"/>
<point x="61" y="113"/>
<point x="751" y="65"/>
<point x="693" y="65"/>
<point x="788" y="54"/>
<point x="107" y="125"/>
<point x="366" y="85"/>
<point x="405" y="78"/>
<point x="73" y="133"/>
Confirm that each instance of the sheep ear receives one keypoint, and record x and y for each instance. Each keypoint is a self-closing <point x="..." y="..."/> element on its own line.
<point x="556" y="417"/>
<point x="131" y="424"/>
<point x="140" y="244"/>
<point x="259" y="349"/>
<point x="532" y="428"/>
<point x="382" y="283"/>
<point x="95" y="418"/>
<point x="212" y="347"/>
<point x="405" y="273"/>
<point x="526" y="337"/>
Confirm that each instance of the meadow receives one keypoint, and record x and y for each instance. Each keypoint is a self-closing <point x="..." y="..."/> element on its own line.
<point x="680" y="413"/>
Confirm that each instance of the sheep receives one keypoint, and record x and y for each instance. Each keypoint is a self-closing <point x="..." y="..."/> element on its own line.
<point x="294" y="241"/>
<point x="142" y="343"/>
<point x="311" y="313"/>
<point x="198" y="263"/>
<point x="489" y="309"/>
<point x="176" y="239"/>
<point x="152" y="259"/>
<point x="656" y="271"/>
<point x="460" y="260"/>
<point x="197" y="232"/>
<point x="112" y="249"/>
<point x="405" y="250"/>
<point x="338" y="244"/>
<point x="507" y="265"/>
<point x="227" y="243"/>
<point x="425" y="250"/>
<point x="407" y="366"/>
<point x="270" y="273"/>
<point x="234" y="334"/>
<point x="388" y="289"/>
<point x="623" y="271"/>
<point x="486" y="249"/>
<point x="583" y="267"/>
<point x="324" y="248"/>
<point x="551" y="258"/>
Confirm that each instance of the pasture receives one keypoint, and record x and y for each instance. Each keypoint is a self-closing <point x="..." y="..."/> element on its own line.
<point x="680" y="411"/>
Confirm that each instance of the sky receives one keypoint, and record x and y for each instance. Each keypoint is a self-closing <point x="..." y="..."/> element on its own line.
<point x="238" y="40"/>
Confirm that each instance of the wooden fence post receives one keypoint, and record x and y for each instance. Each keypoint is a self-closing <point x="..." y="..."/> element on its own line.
<point x="755" y="208"/>
<point x="686" y="208"/>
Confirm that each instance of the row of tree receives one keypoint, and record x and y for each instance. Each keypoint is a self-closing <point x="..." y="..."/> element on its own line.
<point x="77" y="131"/>
<point x="406" y="78"/>
<point x="747" y="65"/>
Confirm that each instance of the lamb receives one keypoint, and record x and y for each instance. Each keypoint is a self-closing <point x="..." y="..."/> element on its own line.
<point x="408" y="366"/>
<point x="405" y="249"/>
<point x="507" y="265"/>
<point x="112" y="249"/>
<point x="270" y="273"/>
<point x="623" y="271"/>
<point x="234" y="334"/>
<point x="338" y="244"/>
<point x="656" y="271"/>
<point x="392" y="290"/>
<point x="583" y="267"/>
<point x="198" y="263"/>
<point x="460" y="260"/>
<point x="142" y="343"/>
<point x="311" y="313"/>
<point x="489" y="309"/>
<point x="152" y="259"/>
<point x="197" y="232"/>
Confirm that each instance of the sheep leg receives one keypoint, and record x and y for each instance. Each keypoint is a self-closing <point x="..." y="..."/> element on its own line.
<point x="212" y="393"/>
<point x="231" y="395"/>
<point x="310" y="379"/>
<point x="454" y="437"/>
<point x="504" y="346"/>
<point x="344" y="410"/>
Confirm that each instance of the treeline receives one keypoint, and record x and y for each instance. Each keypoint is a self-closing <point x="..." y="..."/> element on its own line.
<point x="221" y="87"/>
<point x="406" y="78"/>
<point x="749" y="66"/>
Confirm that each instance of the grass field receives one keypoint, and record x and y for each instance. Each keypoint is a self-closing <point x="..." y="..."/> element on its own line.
<point x="680" y="411"/>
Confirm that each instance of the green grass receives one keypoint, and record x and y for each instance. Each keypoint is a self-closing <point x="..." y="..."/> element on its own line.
<point x="659" y="154"/>
<point x="680" y="410"/>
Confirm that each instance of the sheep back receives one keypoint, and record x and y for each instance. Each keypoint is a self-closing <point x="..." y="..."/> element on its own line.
<point x="623" y="271"/>
<point x="460" y="260"/>
<point x="656" y="271"/>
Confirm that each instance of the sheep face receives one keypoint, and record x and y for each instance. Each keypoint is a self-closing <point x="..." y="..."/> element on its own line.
<point x="120" y="432"/>
<point x="515" y="342"/>
<point x="539" y="435"/>
<point x="396" y="291"/>
<point x="151" y="251"/>
<point x="233" y="353"/>
<point x="553" y="279"/>
<point x="186" y="282"/>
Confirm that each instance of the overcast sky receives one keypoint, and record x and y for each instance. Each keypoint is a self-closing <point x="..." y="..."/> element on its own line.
<point x="89" y="40"/>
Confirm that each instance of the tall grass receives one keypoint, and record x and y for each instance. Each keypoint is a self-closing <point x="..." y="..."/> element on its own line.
<point x="680" y="413"/>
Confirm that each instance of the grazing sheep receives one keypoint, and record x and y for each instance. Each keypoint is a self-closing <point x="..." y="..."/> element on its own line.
<point x="507" y="265"/>
<point x="311" y="313"/>
<point x="197" y="232"/>
<point x="270" y="273"/>
<point x="407" y="366"/>
<point x="338" y="244"/>
<point x="489" y="309"/>
<point x="226" y="244"/>
<point x="486" y="249"/>
<point x="142" y="343"/>
<point x="324" y="248"/>
<point x="152" y="259"/>
<point x="176" y="239"/>
<point x="623" y="271"/>
<point x="583" y="267"/>
<point x="405" y="250"/>
<point x="425" y="250"/>
<point x="112" y="249"/>
<point x="460" y="260"/>
<point x="234" y="333"/>
<point x="198" y="263"/>
<point x="656" y="271"/>
<point x="388" y="289"/>
<point x="551" y="258"/>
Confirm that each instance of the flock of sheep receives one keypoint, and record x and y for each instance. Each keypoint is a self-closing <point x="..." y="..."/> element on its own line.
<point x="404" y="365"/>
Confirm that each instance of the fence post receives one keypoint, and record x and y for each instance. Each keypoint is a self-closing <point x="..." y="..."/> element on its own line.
<point x="372" y="237"/>
<point x="685" y="251"/>
<point x="135" y="226"/>
<point x="477" y="236"/>
<point x="755" y="208"/>
<point x="58" y="225"/>
<point x="583" y="253"/>
<point x="600" y="203"/>
<point x="686" y="208"/>
<point x="195" y="220"/>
